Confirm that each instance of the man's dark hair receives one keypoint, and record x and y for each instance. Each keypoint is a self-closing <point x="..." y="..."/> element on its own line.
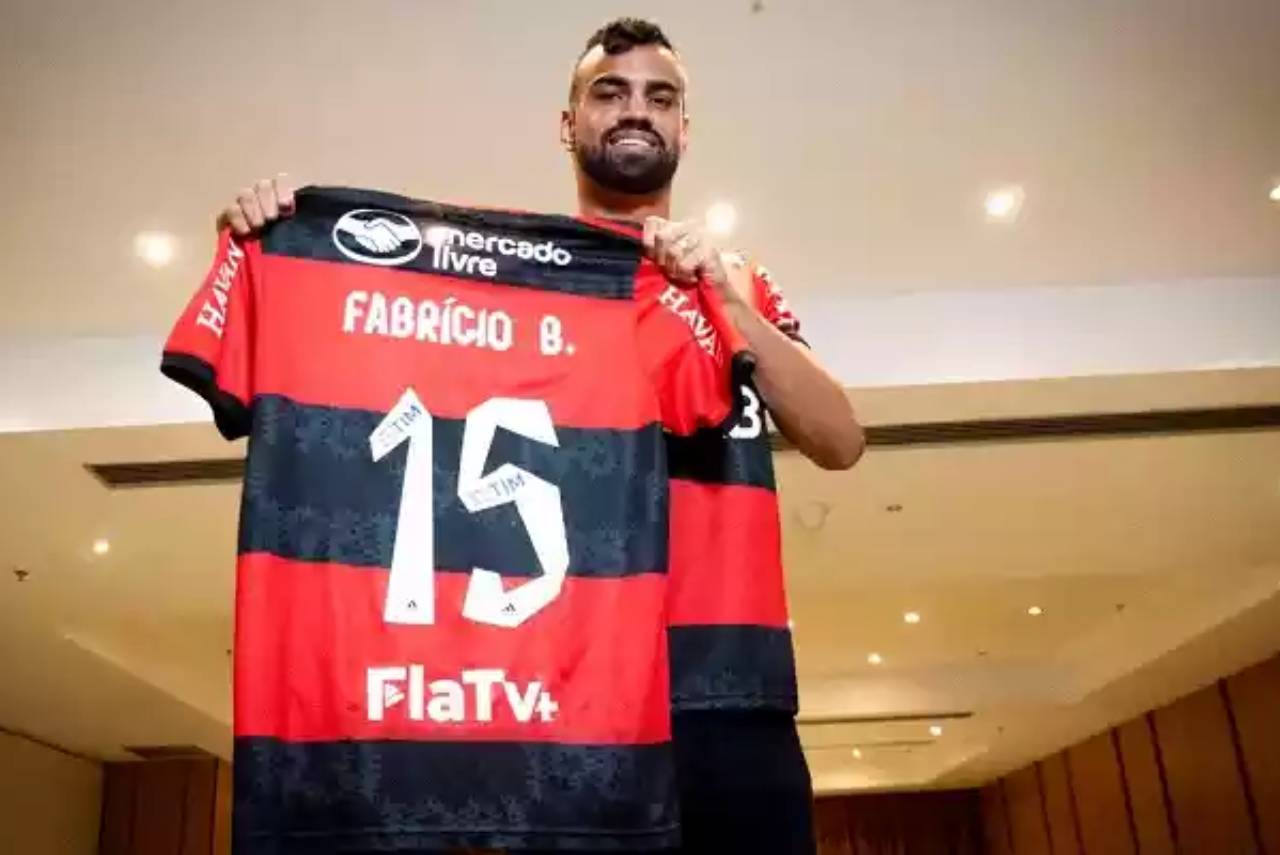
<point x="623" y="34"/>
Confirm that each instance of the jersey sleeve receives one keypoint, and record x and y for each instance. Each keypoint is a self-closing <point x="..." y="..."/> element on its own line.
<point x="771" y="303"/>
<point x="210" y="349"/>
<point x="694" y="354"/>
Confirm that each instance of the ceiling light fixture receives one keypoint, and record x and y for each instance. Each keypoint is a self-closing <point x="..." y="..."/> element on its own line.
<point x="721" y="219"/>
<point x="156" y="249"/>
<point x="911" y="617"/>
<point x="857" y="754"/>
<point x="935" y="730"/>
<point x="1275" y="193"/>
<point x="1004" y="204"/>
<point x="875" y="658"/>
<point x="812" y="516"/>
<point x="1035" y="611"/>
<point x="101" y="546"/>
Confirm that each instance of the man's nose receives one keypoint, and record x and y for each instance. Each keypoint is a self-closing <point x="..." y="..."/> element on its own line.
<point x="636" y="107"/>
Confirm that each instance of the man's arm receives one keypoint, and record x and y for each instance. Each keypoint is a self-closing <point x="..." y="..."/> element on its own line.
<point x="807" y="403"/>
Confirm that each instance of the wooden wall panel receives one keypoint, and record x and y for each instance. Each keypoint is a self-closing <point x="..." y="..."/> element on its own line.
<point x="1057" y="804"/>
<point x="831" y="827"/>
<point x="1205" y="788"/>
<point x="1026" y="813"/>
<point x="932" y="823"/>
<point x="119" y="790"/>
<point x="197" y="834"/>
<point x="159" y="811"/>
<point x="1255" y="699"/>
<point x="1100" y="797"/>
<point x="1146" y="793"/>
<point x="995" y="824"/>
<point x="222" y="811"/>
<point x="166" y="807"/>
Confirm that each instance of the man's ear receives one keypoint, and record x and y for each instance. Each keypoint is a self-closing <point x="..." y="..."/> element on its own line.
<point x="566" y="130"/>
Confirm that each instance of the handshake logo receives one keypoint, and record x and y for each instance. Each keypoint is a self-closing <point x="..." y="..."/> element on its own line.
<point x="377" y="237"/>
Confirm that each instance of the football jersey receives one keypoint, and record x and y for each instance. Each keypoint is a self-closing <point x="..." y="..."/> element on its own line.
<point x="730" y="637"/>
<point x="451" y="575"/>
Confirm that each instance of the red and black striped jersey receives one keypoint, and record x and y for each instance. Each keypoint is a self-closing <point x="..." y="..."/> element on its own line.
<point x="451" y="581"/>
<point x="730" y="638"/>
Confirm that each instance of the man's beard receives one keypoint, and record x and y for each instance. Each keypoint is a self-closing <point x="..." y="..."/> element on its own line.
<point x="634" y="173"/>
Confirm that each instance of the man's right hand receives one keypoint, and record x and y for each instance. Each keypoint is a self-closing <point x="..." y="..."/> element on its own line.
<point x="265" y="202"/>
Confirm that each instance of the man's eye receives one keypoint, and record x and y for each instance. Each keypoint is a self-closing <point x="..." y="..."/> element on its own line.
<point x="665" y="102"/>
<point x="608" y="94"/>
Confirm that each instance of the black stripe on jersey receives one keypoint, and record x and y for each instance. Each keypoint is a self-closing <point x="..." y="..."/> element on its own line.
<point x="312" y="492"/>
<point x="295" y="798"/>
<point x="710" y="456"/>
<point x="732" y="667"/>
<point x="601" y="263"/>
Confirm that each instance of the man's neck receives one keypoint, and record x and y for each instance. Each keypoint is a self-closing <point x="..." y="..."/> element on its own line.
<point x="597" y="202"/>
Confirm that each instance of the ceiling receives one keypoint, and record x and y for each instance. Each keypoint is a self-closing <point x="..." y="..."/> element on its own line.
<point x="856" y="138"/>
<point x="1156" y="562"/>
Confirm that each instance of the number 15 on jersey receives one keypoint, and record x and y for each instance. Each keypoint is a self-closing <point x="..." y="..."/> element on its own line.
<point x="411" y="585"/>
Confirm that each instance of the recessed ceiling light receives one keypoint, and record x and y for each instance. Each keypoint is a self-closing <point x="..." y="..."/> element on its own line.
<point x="721" y="219"/>
<point x="1035" y="611"/>
<point x="911" y="617"/>
<point x="101" y="546"/>
<point x="812" y="516"/>
<point x="155" y="248"/>
<point x="875" y="658"/>
<point x="936" y="730"/>
<point x="1004" y="204"/>
<point x="857" y="754"/>
<point x="1275" y="193"/>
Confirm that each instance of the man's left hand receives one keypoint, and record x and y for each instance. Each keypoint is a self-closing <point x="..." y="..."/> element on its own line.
<point x="685" y="253"/>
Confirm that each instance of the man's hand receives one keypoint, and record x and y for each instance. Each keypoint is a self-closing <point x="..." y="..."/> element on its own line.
<point x="265" y="202"/>
<point x="685" y="253"/>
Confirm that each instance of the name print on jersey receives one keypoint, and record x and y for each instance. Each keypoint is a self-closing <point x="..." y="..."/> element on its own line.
<point x="446" y="322"/>
<point x="449" y="322"/>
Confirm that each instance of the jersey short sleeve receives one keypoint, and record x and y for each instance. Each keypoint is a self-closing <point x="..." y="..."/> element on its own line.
<point x="695" y="356"/>
<point x="773" y="305"/>
<point x="210" y="348"/>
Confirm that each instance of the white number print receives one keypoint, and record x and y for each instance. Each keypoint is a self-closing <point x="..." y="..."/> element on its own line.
<point x="411" y="587"/>
<point x="752" y="421"/>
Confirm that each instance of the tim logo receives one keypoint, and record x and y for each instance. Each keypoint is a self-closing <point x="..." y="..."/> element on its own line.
<point x="377" y="237"/>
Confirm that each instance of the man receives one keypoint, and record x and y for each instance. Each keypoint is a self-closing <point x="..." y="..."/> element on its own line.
<point x="745" y="785"/>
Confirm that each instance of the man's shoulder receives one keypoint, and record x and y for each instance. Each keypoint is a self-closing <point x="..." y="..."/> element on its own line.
<point x="763" y="293"/>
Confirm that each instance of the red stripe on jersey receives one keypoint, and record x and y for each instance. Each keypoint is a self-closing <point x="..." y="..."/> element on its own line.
<point x="347" y="315"/>
<point x="725" y="559"/>
<point x="308" y="634"/>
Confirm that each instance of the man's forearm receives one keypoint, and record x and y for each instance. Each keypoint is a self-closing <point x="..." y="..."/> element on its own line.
<point x="808" y="404"/>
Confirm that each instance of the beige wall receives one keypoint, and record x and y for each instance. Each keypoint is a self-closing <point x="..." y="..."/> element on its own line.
<point x="50" y="803"/>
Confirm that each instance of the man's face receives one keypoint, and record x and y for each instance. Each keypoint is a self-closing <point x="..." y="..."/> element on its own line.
<point x="626" y="125"/>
